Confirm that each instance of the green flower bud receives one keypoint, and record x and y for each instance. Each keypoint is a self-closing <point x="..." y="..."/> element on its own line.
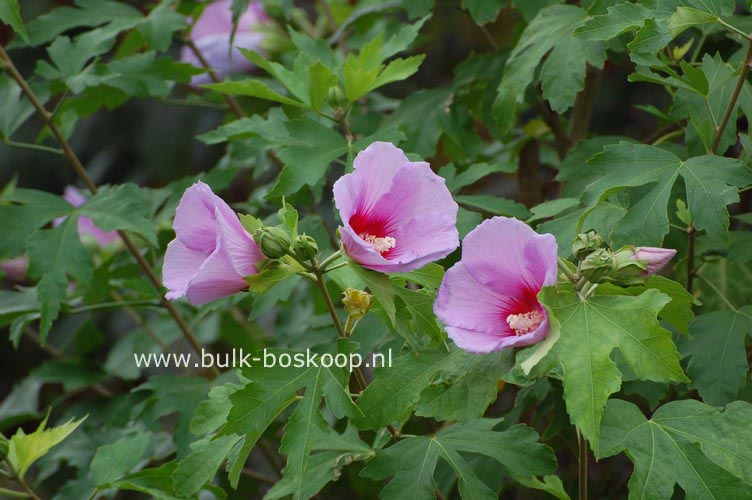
<point x="598" y="267"/>
<point x="336" y="96"/>
<point x="273" y="241"/>
<point x="628" y="270"/>
<point x="586" y="243"/>
<point x="356" y="303"/>
<point x="305" y="247"/>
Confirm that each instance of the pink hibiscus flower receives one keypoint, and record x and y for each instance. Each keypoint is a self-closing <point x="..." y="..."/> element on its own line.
<point x="211" y="252"/>
<point x="211" y="34"/>
<point x="489" y="300"/>
<point x="86" y="226"/>
<point x="397" y="215"/>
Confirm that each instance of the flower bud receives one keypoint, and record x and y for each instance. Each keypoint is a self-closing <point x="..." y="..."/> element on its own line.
<point x="598" y="267"/>
<point x="273" y="241"/>
<point x="356" y="303"/>
<point x="335" y="96"/>
<point x="653" y="258"/>
<point x="628" y="271"/>
<point x="305" y="247"/>
<point x="586" y="243"/>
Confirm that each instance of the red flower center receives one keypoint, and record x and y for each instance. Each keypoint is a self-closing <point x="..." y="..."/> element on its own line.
<point x="376" y="232"/>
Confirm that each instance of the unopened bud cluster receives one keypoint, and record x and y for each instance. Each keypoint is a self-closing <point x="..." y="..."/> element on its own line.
<point x="602" y="265"/>
<point x="275" y="243"/>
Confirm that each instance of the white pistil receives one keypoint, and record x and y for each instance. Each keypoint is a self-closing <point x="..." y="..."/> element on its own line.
<point x="381" y="245"/>
<point x="525" y="323"/>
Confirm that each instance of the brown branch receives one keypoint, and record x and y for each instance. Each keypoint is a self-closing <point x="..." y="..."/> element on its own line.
<point x="734" y="97"/>
<point x="561" y="139"/>
<point x="691" y="271"/>
<point x="60" y="356"/>
<point x="234" y="106"/>
<point x="20" y="481"/>
<point x="78" y="167"/>
<point x="583" y="107"/>
<point x="527" y="174"/>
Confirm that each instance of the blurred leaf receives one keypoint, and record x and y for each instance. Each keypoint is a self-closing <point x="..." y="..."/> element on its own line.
<point x="25" y="449"/>
<point x="201" y="465"/>
<point x="122" y="207"/>
<point x="483" y="11"/>
<point x="55" y="254"/>
<point x="686" y="442"/>
<point x="562" y="75"/>
<point x="252" y="88"/>
<point x="494" y="205"/>
<point x="114" y="460"/>
<point x="10" y="14"/>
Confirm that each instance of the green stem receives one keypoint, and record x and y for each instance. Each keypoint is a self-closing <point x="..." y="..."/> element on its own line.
<point x="20" y="481"/>
<point x="565" y="270"/>
<point x="582" y="465"/>
<point x="732" y="28"/>
<point x="112" y="305"/>
<point x="666" y="137"/>
<point x="78" y="167"/>
<point x="32" y="147"/>
<point x="734" y="97"/>
<point x="332" y="258"/>
<point x="12" y="494"/>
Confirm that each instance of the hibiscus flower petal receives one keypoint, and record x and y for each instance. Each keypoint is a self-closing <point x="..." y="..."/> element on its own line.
<point x="194" y="218"/>
<point x="180" y="265"/>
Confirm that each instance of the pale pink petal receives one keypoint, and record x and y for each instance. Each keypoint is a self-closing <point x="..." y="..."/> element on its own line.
<point x="15" y="268"/>
<point x="463" y="302"/>
<point x="656" y="258"/>
<point x="494" y="253"/>
<point x="73" y="196"/>
<point x="243" y="251"/>
<point x="180" y="265"/>
<point x="375" y="168"/>
<point x="194" y="218"/>
<point x="216" y="278"/>
<point x="86" y="226"/>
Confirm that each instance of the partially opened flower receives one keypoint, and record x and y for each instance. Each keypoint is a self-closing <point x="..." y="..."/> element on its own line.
<point x="212" y="31"/>
<point x="489" y="300"/>
<point x="397" y="215"/>
<point x="655" y="258"/>
<point x="86" y="227"/>
<point x="211" y="252"/>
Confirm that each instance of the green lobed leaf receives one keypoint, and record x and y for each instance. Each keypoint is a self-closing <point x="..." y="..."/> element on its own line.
<point x="411" y="462"/>
<point x="201" y="465"/>
<point x="711" y="184"/>
<point x="313" y="147"/>
<point x="717" y="356"/>
<point x="590" y="331"/>
<point x="702" y="449"/>
<point x="483" y="11"/>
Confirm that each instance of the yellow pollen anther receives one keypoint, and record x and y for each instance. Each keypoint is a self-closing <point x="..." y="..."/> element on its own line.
<point x="525" y="323"/>
<point x="381" y="245"/>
